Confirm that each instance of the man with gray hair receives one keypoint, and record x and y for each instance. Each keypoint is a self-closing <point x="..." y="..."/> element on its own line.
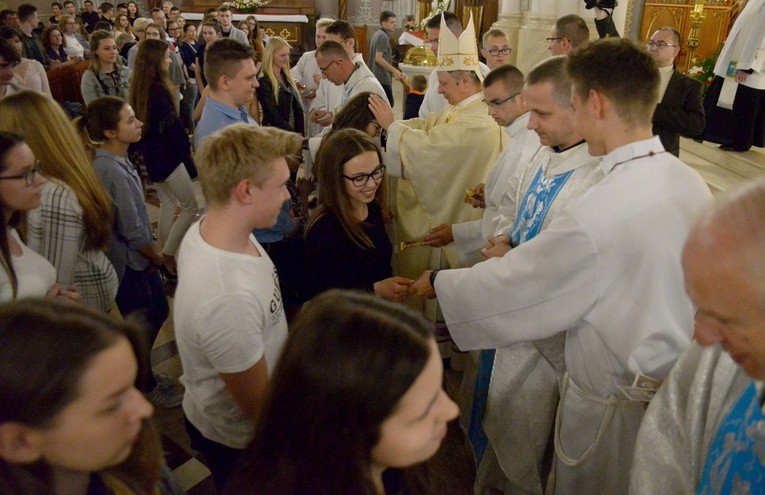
<point x="438" y="157"/>
<point x="703" y="432"/>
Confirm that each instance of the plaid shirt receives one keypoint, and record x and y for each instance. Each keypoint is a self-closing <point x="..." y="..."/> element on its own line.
<point x="56" y="230"/>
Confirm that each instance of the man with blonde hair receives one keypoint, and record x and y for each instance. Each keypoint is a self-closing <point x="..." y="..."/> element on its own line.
<point x="230" y="325"/>
<point x="495" y="48"/>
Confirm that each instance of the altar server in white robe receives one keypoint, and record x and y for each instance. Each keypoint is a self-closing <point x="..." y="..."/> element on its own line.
<point x="606" y="270"/>
<point x="437" y="158"/>
<point x="704" y="432"/>
<point x="515" y="376"/>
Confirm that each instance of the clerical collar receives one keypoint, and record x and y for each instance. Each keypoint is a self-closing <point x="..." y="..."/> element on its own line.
<point x="557" y="149"/>
<point x="518" y="125"/>
<point x="470" y="99"/>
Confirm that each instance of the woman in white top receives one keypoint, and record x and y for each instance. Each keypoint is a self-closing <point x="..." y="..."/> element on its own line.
<point x="23" y="273"/>
<point x="9" y="59"/>
<point x="76" y="44"/>
<point x="30" y="74"/>
<point x="72" y="226"/>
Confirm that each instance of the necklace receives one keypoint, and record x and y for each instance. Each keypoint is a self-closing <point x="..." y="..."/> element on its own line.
<point x="647" y="155"/>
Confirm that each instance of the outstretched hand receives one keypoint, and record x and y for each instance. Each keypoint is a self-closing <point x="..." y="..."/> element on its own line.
<point x="421" y="287"/>
<point x="438" y="236"/>
<point x="393" y="288"/>
<point x="496" y="247"/>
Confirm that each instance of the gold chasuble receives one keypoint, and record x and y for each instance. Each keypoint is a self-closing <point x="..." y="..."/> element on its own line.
<point x="435" y="160"/>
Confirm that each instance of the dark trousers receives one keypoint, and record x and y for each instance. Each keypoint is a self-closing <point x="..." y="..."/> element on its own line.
<point x="220" y="458"/>
<point x="144" y="296"/>
<point x="388" y="88"/>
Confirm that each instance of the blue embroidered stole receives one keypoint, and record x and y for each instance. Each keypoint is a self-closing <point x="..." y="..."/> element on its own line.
<point x="532" y="211"/>
<point x="736" y="459"/>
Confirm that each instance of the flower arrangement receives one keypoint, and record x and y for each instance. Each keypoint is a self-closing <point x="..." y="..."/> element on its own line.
<point x="438" y="7"/>
<point x="704" y="72"/>
<point x="247" y="6"/>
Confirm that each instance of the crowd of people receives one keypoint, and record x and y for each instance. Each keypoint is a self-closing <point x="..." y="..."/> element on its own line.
<point x="323" y="253"/>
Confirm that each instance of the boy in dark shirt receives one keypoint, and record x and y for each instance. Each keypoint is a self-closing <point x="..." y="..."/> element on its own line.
<point x="415" y="96"/>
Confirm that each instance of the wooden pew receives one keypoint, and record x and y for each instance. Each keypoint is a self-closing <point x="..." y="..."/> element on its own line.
<point x="65" y="82"/>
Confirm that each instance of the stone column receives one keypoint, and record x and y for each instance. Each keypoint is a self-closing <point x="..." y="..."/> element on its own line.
<point x="510" y="21"/>
<point x="537" y="21"/>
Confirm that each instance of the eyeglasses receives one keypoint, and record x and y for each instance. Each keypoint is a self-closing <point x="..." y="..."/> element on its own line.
<point x="499" y="103"/>
<point x="550" y="40"/>
<point x="323" y="70"/>
<point x="657" y="44"/>
<point x="362" y="179"/>
<point x="29" y="175"/>
<point x="378" y="127"/>
<point x="496" y="51"/>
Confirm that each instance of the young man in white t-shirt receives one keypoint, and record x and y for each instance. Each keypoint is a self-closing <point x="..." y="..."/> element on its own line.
<point x="229" y="321"/>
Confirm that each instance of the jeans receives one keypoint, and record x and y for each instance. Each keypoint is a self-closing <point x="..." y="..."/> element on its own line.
<point x="175" y="190"/>
<point x="221" y="459"/>
<point x="144" y="295"/>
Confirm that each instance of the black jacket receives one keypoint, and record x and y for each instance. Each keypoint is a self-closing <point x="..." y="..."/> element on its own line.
<point x="681" y="111"/>
<point x="278" y="114"/>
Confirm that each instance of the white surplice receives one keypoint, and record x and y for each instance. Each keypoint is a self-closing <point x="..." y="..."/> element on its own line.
<point x="607" y="271"/>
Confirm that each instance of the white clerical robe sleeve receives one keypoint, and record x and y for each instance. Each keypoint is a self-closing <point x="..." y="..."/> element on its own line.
<point x="393" y="149"/>
<point x="469" y="240"/>
<point x="536" y="290"/>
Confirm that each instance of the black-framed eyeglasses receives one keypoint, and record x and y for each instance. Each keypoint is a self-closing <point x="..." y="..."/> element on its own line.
<point x="362" y="179"/>
<point x="499" y="103"/>
<point x="658" y="44"/>
<point x="557" y="38"/>
<point x="496" y="51"/>
<point x="28" y="175"/>
<point x="327" y="66"/>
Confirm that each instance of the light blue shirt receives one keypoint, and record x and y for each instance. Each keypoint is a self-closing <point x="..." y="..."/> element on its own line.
<point x="217" y="116"/>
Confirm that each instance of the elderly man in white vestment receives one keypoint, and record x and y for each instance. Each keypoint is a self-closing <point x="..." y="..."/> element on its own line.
<point x="437" y="158"/>
<point x="606" y="270"/>
<point x="704" y="432"/>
